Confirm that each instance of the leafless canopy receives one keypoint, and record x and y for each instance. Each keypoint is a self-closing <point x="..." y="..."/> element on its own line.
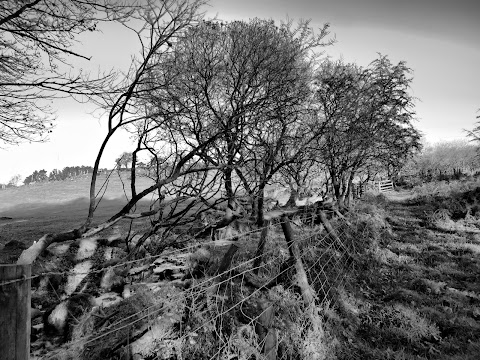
<point x="37" y="43"/>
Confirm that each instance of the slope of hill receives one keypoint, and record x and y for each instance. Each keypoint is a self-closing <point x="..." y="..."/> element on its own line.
<point x="28" y="212"/>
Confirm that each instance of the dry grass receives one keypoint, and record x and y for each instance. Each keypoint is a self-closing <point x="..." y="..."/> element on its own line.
<point x="414" y="293"/>
<point x="398" y="287"/>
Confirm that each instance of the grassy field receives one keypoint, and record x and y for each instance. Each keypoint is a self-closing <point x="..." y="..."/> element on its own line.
<point x="415" y="293"/>
<point x="29" y="212"/>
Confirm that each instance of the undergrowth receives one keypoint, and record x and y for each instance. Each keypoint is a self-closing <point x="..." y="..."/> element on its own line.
<point x="393" y="287"/>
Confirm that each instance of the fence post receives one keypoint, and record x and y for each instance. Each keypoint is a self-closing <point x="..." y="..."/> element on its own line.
<point x="15" y="308"/>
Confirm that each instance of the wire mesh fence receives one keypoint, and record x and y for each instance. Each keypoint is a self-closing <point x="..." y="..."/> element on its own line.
<point x="232" y="303"/>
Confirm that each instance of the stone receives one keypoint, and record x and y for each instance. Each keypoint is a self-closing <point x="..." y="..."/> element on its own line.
<point x="110" y="280"/>
<point x="168" y="267"/>
<point x="107" y="300"/>
<point x="86" y="248"/>
<point x="58" y="317"/>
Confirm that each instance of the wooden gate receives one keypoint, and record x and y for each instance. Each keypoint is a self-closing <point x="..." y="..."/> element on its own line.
<point x="385" y="186"/>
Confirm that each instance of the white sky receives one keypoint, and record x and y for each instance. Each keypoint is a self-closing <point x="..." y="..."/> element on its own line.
<point x="439" y="40"/>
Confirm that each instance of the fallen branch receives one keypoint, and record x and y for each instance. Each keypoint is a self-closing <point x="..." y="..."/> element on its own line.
<point x="29" y="255"/>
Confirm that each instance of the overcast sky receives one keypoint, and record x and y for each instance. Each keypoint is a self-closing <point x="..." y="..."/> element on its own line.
<point x="439" y="40"/>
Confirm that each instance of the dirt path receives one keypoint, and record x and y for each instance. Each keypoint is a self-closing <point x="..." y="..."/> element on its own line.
<point x="421" y="294"/>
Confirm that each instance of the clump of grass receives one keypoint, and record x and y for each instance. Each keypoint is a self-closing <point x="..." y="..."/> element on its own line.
<point x="368" y="226"/>
<point x="399" y="325"/>
<point x="443" y="189"/>
<point x="443" y="219"/>
<point x="87" y="340"/>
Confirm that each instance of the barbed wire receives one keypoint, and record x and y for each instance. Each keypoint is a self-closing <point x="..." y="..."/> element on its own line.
<point x="215" y="284"/>
<point x="246" y="298"/>
<point x="210" y="279"/>
<point x="149" y="310"/>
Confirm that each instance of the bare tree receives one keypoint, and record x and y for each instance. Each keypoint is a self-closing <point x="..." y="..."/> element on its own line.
<point x="158" y="23"/>
<point x="445" y="160"/>
<point x="243" y="81"/>
<point x="369" y="114"/>
<point x="37" y="43"/>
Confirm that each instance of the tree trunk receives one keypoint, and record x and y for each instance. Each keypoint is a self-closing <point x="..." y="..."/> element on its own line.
<point x="260" y="206"/>
<point x="349" y="195"/>
<point x="293" y="195"/>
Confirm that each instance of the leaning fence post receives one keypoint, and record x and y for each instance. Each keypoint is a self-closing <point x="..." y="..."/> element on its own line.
<point x="308" y="295"/>
<point x="307" y="292"/>
<point x="15" y="297"/>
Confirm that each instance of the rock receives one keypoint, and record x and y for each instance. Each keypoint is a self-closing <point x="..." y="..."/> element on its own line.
<point x="5" y="218"/>
<point x="86" y="248"/>
<point x="168" y="267"/>
<point x="113" y="255"/>
<point x="138" y="270"/>
<point x="58" y="317"/>
<point x="36" y="329"/>
<point x="127" y="292"/>
<point x="76" y="276"/>
<point x="35" y="313"/>
<point x="112" y="241"/>
<point x="107" y="300"/>
<point x="110" y="280"/>
<point x="148" y="343"/>
<point x="58" y="249"/>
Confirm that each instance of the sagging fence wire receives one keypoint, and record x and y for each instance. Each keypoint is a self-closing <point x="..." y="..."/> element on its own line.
<point x="194" y="288"/>
<point x="214" y="287"/>
<point x="221" y="313"/>
<point x="88" y="340"/>
<point x="244" y="299"/>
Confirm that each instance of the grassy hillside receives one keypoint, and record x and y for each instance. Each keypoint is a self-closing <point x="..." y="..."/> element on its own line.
<point x="29" y="212"/>
<point x="57" y="192"/>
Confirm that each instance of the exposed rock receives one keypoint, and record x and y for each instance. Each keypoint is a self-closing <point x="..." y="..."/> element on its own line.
<point x="126" y="293"/>
<point x="58" y="317"/>
<point x="113" y="255"/>
<point x="110" y="280"/>
<point x="107" y="300"/>
<point x="76" y="276"/>
<point x="161" y="330"/>
<point x="86" y="248"/>
<point x="168" y="267"/>
<point x="35" y="313"/>
<point x="138" y="269"/>
<point x="59" y="249"/>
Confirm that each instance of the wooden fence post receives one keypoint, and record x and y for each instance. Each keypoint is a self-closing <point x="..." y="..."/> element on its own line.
<point x="308" y="294"/>
<point x="15" y="308"/>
